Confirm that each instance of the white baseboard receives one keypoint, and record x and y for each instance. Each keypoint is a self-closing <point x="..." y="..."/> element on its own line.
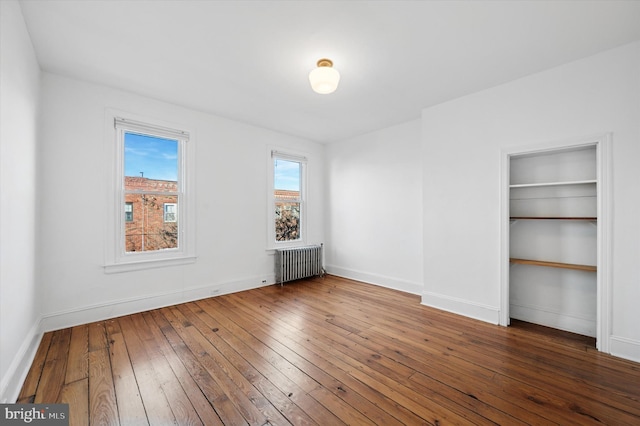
<point x="463" y="307"/>
<point x="625" y="348"/>
<point x="12" y="381"/>
<point x="116" y="308"/>
<point x="560" y="320"/>
<point x="380" y="280"/>
<point x="17" y="372"/>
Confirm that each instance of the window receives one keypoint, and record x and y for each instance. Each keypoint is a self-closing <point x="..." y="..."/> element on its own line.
<point x="128" y="212"/>
<point x="287" y="207"/>
<point x="170" y="212"/>
<point x="151" y="178"/>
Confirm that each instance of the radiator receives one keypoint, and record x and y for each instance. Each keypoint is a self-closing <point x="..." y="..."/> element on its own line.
<point x="299" y="262"/>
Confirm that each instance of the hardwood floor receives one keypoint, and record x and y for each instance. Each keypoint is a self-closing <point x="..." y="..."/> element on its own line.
<point x="327" y="351"/>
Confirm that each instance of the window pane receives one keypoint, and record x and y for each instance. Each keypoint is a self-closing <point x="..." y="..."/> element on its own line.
<point x="150" y="157"/>
<point x="287" y="221"/>
<point x="148" y="231"/>
<point x="286" y="175"/>
<point x="287" y="188"/>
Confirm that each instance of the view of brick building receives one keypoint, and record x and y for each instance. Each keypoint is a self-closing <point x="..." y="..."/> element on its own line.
<point x="151" y="220"/>
<point x="285" y="194"/>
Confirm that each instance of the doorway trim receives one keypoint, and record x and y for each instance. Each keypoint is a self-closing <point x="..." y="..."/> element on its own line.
<point x="602" y="142"/>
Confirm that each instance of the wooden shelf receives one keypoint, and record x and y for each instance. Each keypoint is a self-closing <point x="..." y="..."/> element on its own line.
<point x="534" y="185"/>
<point x="589" y="219"/>
<point x="588" y="268"/>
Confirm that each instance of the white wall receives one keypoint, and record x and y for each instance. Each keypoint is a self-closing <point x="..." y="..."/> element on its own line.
<point x="374" y="208"/>
<point x="19" y="88"/>
<point x="231" y="197"/>
<point x="462" y="141"/>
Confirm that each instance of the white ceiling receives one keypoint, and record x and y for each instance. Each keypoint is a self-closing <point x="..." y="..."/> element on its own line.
<point x="249" y="60"/>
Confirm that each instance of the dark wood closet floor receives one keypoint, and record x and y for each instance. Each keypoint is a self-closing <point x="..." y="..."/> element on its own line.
<point x="327" y="351"/>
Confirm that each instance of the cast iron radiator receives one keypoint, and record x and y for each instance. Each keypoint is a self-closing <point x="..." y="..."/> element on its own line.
<point x="299" y="262"/>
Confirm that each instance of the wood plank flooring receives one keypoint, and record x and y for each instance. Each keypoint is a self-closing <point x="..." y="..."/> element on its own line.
<point x="327" y="351"/>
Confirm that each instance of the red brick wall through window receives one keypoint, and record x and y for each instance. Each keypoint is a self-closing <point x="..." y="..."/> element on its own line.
<point x="148" y="230"/>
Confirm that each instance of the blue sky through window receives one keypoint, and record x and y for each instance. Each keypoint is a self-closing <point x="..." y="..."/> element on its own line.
<point x="286" y="175"/>
<point x="151" y="157"/>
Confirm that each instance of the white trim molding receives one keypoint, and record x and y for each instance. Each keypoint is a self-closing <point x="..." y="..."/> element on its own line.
<point x="376" y="279"/>
<point x="552" y="318"/>
<point x="132" y="305"/>
<point x="463" y="307"/>
<point x="624" y="348"/>
<point x="13" y="380"/>
<point x="17" y="372"/>
<point x="605" y="246"/>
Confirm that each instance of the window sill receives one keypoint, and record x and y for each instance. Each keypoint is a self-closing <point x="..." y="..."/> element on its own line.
<point x="286" y="245"/>
<point x="116" y="268"/>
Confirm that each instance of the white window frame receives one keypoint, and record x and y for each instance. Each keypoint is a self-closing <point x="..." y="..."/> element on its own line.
<point x="117" y="259"/>
<point x="288" y="155"/>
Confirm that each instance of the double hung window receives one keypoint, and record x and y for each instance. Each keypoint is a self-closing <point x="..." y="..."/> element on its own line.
<point x="150" y="188"/>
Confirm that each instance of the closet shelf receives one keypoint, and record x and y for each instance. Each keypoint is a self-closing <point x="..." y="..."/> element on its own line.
<point x="588" y="268"/>
<point x="589" y="219"/>
<point x="533" y="185"/>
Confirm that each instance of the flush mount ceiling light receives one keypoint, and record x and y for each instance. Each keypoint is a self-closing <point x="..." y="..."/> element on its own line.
<point x="325" y="78"/>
